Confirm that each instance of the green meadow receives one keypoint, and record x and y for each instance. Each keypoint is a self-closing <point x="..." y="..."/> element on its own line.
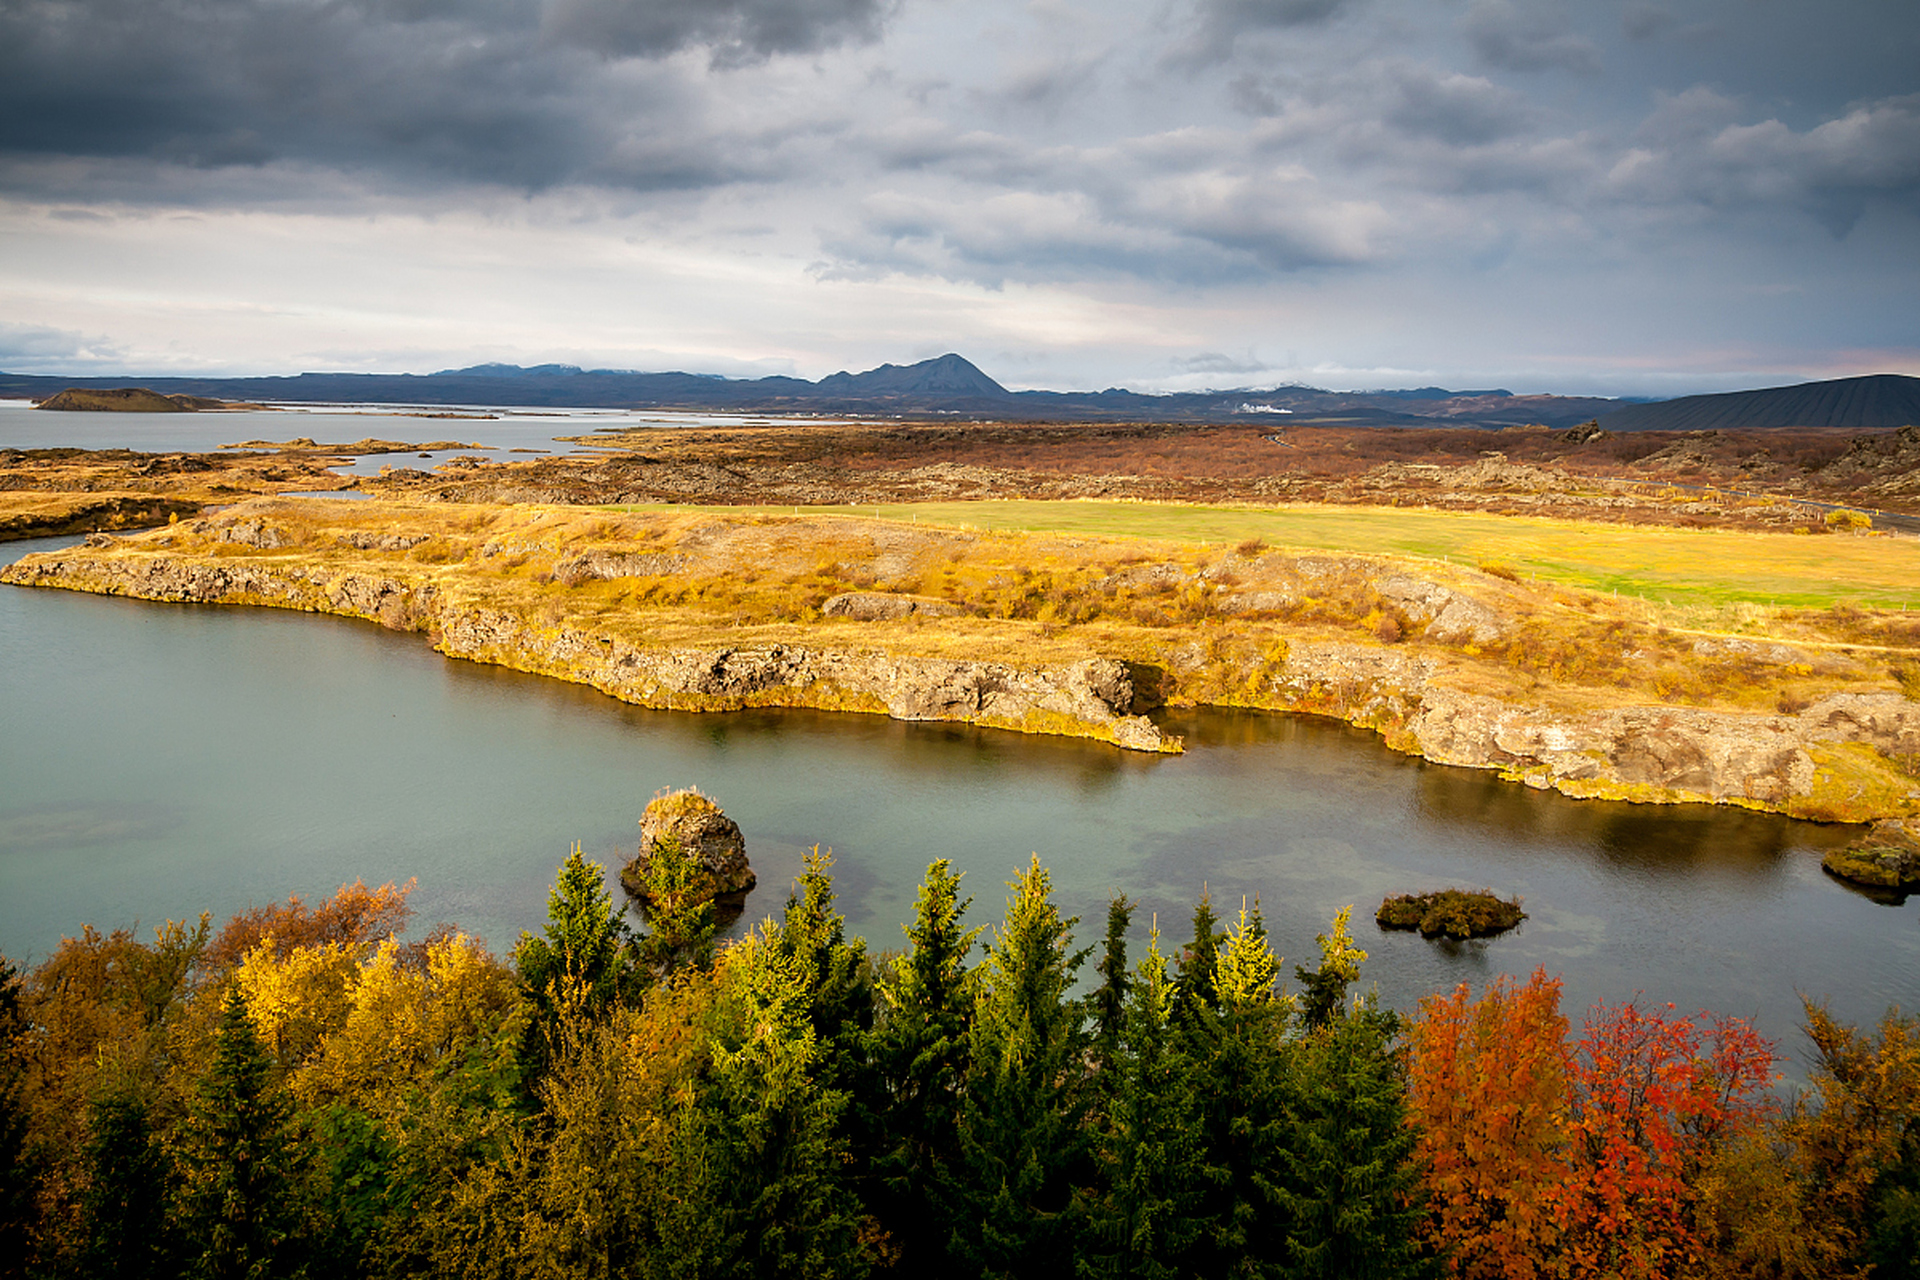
<point x="1677" y="566"/>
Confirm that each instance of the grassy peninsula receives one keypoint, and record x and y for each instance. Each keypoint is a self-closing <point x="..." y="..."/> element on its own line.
<point x="1803" y="710"/>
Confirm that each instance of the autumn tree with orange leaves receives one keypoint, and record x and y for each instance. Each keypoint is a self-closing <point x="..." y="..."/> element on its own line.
<point x="1553" y="1159"/>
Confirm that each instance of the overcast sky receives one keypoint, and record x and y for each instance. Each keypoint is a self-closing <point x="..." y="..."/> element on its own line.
<point x="1648" y="197"/>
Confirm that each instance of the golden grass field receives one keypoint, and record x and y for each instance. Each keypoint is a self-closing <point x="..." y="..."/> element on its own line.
<point x="1665" y="565"/>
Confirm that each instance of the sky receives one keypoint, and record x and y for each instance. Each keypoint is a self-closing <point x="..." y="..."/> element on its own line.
<point x="1612" y="197"/>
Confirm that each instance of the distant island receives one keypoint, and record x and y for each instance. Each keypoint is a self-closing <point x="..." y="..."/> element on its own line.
<point x="138" y="400"/>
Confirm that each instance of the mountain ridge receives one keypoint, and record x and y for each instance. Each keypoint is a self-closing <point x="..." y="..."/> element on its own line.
<point x="1871" y="402"/>
<point x="950" y="386"/>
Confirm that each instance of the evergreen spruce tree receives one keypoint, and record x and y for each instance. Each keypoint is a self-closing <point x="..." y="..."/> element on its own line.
<point x="840" y="997"/>
<point x="1110" y="999"/>
<point x="1348" y="1180"/>
<point x="1236" y="1042"/>
<point x="677" y="902"/>
<point x="125" y="1210"/>
<point x="1023" y="1146"/>
<point x="840" y="1005"/>
<point x="586" y="947"/>
<point x="1147" y="1216"/>
<point x="781" y="1201"/>
<point x="240" y="1163"/>
<point x="1199" y="965"/>
<point x="1326" y="986"/>
<point x="920" y="1053"/>
<point x="364" y="1187"/>
<point x="1893" y="1234"/>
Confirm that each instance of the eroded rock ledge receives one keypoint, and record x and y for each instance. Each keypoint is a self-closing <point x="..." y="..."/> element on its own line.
<point x="1091" y="698"/>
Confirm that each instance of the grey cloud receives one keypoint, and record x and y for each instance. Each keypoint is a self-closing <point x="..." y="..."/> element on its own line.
<point x="23" y="347"/>
<point x="924" y="141"/>
<point x="1456" y="108"/>
<point x="1219" y="362"/>
<point x="1689" y="116"/>
<point x="1528" y="37"/>
<point x="1050" y="82"/>
<point x="1280" y="220"/>
<point x="1645" y="22"/>
<point x="987" y="238"/>
<point x="1256" y="15"/>
<point x="1215" y="26"/>
<point x="1831" y="171"/>
<point x="736" y="31"/>
<point x="1173" y="208"/>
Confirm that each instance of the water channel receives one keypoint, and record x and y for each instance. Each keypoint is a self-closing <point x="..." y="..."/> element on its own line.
<point x="160" y="760"/>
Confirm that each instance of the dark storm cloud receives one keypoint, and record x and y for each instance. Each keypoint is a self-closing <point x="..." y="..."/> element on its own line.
<point x="1194" y="143"/>
<point x="508" y="92"/>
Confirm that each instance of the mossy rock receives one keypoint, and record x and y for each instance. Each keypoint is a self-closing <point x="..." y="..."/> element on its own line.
<point x="694" y="826"/>
<point x="1880" y="866"/>
<point x="1451" y="913"/>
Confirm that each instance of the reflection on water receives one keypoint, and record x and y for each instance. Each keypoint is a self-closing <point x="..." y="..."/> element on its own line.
<point x="160" y="760"/>
<point x="1679" y="840"/>
<point x="36" y="827"/>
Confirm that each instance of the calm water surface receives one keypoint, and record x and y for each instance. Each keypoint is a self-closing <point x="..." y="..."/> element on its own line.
<point x="158" y="760"/>
<point x="511" y="433"/>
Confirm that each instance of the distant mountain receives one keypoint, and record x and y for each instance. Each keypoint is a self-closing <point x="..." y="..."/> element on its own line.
<point x="1433" y="393"/>
<point x="948" y="375"/>
<point x="1877" y="402"/>
<point x="507" y="371"/>
<point x="947" y="386"/>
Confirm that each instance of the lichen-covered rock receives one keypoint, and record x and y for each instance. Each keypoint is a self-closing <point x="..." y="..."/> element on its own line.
<point x="1887" y="857"/>
<point x="604" y="566"/>
<point x="252" y="533"/>
<point x="883" y="606"/>
<point x="1146" y="577"/>
<point x="702" y="832"/>
<point x="362" y="540"/>
<point x="1447" y="614"/>
<point x="1265" y="601"/>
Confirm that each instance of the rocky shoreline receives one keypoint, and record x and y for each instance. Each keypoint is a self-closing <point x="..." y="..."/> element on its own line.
<point x="1831" y="760"/>
<point x="1093" y="698"/>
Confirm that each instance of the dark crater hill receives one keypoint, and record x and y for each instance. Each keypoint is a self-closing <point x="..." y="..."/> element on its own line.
<point x="1877" y="402"/>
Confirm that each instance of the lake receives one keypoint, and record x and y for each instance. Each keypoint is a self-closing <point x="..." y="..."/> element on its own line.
<point x="158" y="760"/>
<point x="509" y="435"/>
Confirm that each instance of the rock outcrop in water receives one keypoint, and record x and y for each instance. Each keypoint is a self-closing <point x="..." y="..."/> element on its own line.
<point x="1459" y="914"/>
<point x="692" y="824"/>
<point x="1886" y="859"/>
